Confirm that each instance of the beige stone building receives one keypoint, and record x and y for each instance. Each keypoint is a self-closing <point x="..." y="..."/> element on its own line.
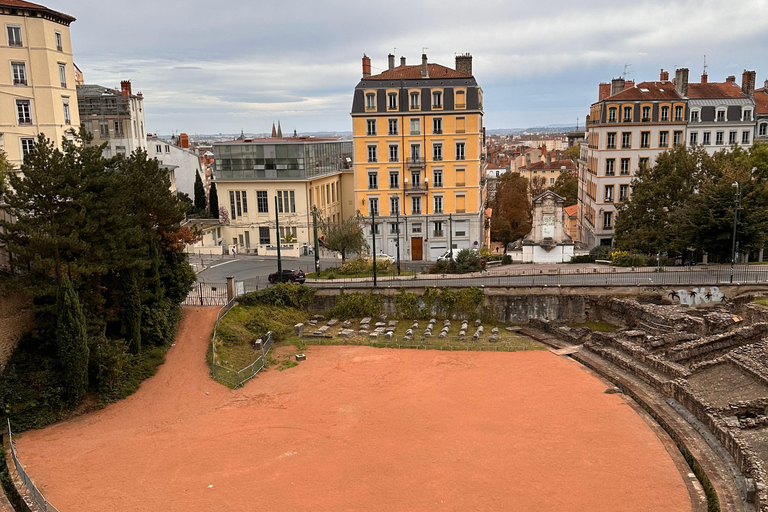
<point x="37" y="77"/>
<point x="113" y="117"/>
<point x="291" y="174"/>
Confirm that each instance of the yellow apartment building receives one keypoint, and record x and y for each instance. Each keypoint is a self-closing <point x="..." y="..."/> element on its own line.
<point x="37" y="77"/>
<point x="291" y="174"/>
<point x="419" y="157"/>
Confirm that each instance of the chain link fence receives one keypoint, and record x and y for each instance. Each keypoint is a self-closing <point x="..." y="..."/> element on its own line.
<point x="34" y="492"/>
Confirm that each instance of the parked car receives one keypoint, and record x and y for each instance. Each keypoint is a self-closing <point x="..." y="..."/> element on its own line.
<point x="384" y="256"/>
<point x="288" y="276"/>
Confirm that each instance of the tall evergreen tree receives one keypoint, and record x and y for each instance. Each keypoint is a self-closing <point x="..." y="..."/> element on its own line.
<point x="71" y="341"/>
<point x="213" y="201"/>
<point x="199" y="193"/>
<point x="131" y="310"/>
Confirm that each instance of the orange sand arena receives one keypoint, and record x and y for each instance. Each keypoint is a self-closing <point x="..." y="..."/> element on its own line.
<point x="359" y="428"/>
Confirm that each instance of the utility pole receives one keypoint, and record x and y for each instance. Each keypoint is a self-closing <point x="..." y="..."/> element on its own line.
<point x="397" y="243"/>
<point x="277" y="232"/>
<point x="317" y="244"/>
<point x="450" y="235"/>
<point x="735" y="222"/>
<point x="373" y="239"/>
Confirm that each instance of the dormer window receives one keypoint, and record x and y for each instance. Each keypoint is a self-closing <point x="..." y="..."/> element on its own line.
<point x="627" y="114"/>
<point x="460" y="99"/>
<point x="415" y="100"/>
<point x="678" y="113"/>
<point x="392" y="101"/>
<point x="720" y="116"/>
<point x="370" y="101"/>
<point x="612" y="115"/>
<point x="694" y="116"/>
<point x="646" y="114"/>
<point x="665" y="113"/>
<point x="437" y="99"/>
<point x="746" y="115"/>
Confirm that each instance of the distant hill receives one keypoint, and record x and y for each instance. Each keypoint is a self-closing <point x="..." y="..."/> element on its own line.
<point x="552" y="128"/>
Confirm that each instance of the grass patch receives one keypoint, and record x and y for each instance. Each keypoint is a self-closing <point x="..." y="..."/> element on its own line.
<point x="286" y="363"/>
<point x="598" y="326"/>
<point x="763" y="301"/>
<point x="335" y="273"/>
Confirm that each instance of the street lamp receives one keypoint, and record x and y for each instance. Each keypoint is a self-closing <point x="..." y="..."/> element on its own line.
<point x="735" y="223"/>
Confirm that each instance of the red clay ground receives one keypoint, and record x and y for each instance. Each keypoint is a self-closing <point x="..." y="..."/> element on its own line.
<point x="359" y="428"/>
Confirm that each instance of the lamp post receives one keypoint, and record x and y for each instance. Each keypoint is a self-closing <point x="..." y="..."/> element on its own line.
<point x="735" y="223"/>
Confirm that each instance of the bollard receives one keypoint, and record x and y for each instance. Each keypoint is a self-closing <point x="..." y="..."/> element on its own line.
<point x="230" y="288"/>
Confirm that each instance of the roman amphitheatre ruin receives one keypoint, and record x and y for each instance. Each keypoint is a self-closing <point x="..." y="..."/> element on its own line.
<point x="667" y="411"/>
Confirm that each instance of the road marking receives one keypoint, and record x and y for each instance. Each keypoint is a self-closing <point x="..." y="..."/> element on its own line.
<point x="220" y="264"/>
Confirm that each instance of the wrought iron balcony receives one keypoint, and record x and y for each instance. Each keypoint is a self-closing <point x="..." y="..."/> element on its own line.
<point x="415" y="162"/>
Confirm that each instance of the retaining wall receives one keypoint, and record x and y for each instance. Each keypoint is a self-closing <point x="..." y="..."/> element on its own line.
<point x="16" y="318"/>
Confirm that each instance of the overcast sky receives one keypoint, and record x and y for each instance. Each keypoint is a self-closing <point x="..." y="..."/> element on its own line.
<point x="210" y="67"/>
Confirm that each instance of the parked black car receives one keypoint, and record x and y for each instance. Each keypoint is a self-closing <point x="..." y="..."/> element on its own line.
<point x="288" y="276"/>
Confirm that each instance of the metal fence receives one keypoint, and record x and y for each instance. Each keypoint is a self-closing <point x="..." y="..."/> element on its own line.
<point x="576" y="276"/>
<point x="207" y="294"/>
<point x="236" y="378"/>
<point x="34" y="492"/>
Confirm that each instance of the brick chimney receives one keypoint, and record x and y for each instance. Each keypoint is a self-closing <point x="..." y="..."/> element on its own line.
<point x="402" y="61"/>
<point x="391" y="61"/>
<point x="748" y="83"/>
<point x="681" y="81"/>
<point x="730" y="80"/>
<point x="663" y="75"/>
<point x="366" y="66"/>
<point x="629" y="84"/>
<point x="548" y="157"/>
<point x="464" y="63"/>
<point x="765" y="87"/>
<point x="527" y="159"/>
<point x="125" y="87"/>
<point x="704" y="78"/>
<point x="603" y="91"/>
<point x="424" y="67"/>
<point x="617" y="85"/>
<point x="184" y="140"/>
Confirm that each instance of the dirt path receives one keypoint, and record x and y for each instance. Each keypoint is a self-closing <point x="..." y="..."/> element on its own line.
<point x="359" y="428"/>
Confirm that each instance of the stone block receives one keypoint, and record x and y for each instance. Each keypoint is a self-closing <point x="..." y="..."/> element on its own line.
<point x="373" y="335"/>
<point x="312" y="322"/>
<point x="347" y="333"/>
<point x="366" y="320"/>
<point x="409" y="332"/>
<point x="380" y="324"/>
<point x="332" y="322"/>
<point x="392" y="323"/>
<point x="363" y="331"/>
<point x="442" y="334"/>
<point x="432" y="320"/>
<point x="447" y="322"/>
<point x="481" y="329"/>
<point x="462" y="336"/>
<point x="346" y="324"/>
<point x="298" y="329"/>
<point x="495" y="330"/>
<point x="477" y="323"/>
<point x="258" y="344"/>
<point x="493" y="338"/>
<point x="463" y="332"/>
<point x="324" y="329"/>
<point x="318" y="332"/>
<point x="389" y="335"/>
<point x="383" y="318"/>
<point x="301" y="357"/>
<point x="318" y="318"/>
<point x="427" y="334"/>
<point x="379" y="330"/>
<point x="476" y="336"/>
<point x="415" y="325"/>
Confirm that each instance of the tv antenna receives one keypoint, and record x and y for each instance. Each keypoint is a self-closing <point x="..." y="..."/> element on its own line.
<point x="424" y="50"/>
<point x="626" y="70"/>
<point x="705" y="65"/>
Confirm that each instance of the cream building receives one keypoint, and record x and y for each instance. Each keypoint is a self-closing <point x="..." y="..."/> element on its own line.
<point x="291" y="174"/>
<point x="113" y="117"/>
<point x="37" y="77"/>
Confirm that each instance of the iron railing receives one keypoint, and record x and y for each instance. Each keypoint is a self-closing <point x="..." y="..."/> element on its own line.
<point x="34" y="492"/>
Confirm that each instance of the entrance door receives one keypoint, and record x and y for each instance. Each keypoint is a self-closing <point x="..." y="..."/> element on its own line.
<point x="416" y="248"/>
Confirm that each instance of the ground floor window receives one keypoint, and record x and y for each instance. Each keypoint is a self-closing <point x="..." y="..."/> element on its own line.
<point x="264" y="235"/>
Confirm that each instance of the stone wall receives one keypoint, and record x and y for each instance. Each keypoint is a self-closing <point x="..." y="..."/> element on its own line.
<point x="16" y="318"/>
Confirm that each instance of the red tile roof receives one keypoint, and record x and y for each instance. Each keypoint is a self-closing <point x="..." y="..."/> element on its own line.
<point x="414" y="73"/>
<point x="555" y="165"/>
<point x="297" y="140"/>
<point x="761" y="100"/>
<point x="713" y="90"/>
<point x="571" y="211"/>
<point x="22" y="4"/>
<point x="647" y="91"/>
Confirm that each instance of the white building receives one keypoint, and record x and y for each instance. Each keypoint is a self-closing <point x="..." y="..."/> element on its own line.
<point x="177" y="153"/>
<point x="112" y="116"/>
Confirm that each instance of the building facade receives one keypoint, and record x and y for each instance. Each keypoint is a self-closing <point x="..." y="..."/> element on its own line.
<point x="721" y="114"/>
<point x="419" y="157"/>
<point x="37" y="78"/>
<point x="187" y="164"/>
<point x="293" y="175"/>
<point x="627" y="128"/>
<point x="113" y="117"/>
<point x="761" y="113"/>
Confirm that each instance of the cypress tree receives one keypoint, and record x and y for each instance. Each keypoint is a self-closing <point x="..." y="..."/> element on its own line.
<point x="199" y="193"/>
<point x="214" y="201"/>
<point x="131" y="310"/>
<point x="72" y="341"/>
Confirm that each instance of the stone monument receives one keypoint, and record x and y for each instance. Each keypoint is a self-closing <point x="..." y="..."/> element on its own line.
<point x="548" y="242"/>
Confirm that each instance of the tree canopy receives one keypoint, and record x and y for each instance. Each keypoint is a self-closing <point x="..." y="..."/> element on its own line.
<point x="686" y="200"/>
<point x="567" y="186"/>
<point x="345" y="237"/>
<point x="511" y="208"/>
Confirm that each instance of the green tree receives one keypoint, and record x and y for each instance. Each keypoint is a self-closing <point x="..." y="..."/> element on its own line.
<point x="131" y="310"/>
<point x="654" y="220"/>
<point x="345" y="237"/>
<point x="573" y="152"/>
<point x="213" y="202"/>
<point x="71" y="341"/>
<point x="567" y="186"/>
<point x="199" y="194"/>
<point x="5" y="170"/>
<point x="511" y="208"/>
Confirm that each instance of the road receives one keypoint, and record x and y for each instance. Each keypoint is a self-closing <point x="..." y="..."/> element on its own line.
<point x="244" y="267"/>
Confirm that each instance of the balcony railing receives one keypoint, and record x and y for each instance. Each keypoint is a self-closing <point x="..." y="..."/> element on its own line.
<point x="437" y="158"/>
<point x="416" y="189"/>
<point x="461" y="210"/>
<point x="415" y="162"/>
<point x="437" y="132"/>
<point x="437" y="233"/>
<point x="19" y="81"/>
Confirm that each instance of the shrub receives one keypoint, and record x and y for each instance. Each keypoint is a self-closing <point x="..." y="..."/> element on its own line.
<point x="440" y="267"/>
<point x="584" y="258"/>
<point x="406" y="304"/>
<point x="355" y="266"/>
<point x="485" y="253"/>
<point x="625" y="259"/>
<point x="506" y="260"/>
<point x="289" y="295"/>
<point x="109" y="363"/>
<point x="357" y="305"/>
<point x="467" y="260"/>
<point x="382" y="266"/>
<point x="600" y="252"/>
